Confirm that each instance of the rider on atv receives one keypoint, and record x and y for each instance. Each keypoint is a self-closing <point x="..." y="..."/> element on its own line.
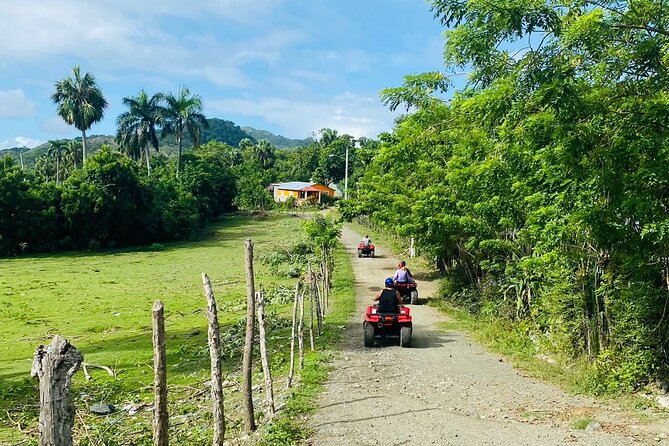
<point x="366" y="241"/>
<point x="403" y="275"/>
<point x="389" y="298"/>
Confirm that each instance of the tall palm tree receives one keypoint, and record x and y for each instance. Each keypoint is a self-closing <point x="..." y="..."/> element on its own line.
<point x="136" y="129"/>
<point x="55" y="150"/>
<point x="80" y="102"/>
<point x="183" y="112"/>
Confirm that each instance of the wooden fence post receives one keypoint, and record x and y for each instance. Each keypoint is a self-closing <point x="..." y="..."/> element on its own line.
<point x="269" y="385"/>
<point x="54" y="366"/>
<point x="312" y="283"/>
<point x="300" y="330"/>
<point x="215" y="354"/>
<point x="247" y="363"/>
<point x="293" y="333"/>
<point x="160" y="415"/>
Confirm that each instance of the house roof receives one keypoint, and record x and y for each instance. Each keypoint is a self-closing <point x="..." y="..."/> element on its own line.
<point x="294" y="185"/>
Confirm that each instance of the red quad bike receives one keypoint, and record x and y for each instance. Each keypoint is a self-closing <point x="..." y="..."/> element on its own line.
<point x="366" y="250"/>
<point x="408" y="291"/>
<point x="387" y="324"/>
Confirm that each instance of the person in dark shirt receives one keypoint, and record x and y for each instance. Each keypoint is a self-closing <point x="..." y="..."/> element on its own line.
<point x="389" y="298"/>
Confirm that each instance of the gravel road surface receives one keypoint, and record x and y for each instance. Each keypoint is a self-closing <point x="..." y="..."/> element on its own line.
<point x="445" y="389"/>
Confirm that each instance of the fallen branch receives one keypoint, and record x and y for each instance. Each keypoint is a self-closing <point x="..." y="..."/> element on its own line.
<point x="85" y="366"/>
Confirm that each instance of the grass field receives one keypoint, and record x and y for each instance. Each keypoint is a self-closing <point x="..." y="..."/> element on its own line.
<point x="101" y="303"/>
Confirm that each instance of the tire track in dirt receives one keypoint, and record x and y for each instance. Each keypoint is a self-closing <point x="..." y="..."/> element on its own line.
<point x="444" y="390"/>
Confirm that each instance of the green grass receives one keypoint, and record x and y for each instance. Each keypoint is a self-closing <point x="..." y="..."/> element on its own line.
<point x="101" y="302"/>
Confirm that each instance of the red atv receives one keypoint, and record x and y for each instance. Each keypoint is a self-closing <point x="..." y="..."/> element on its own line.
<point x="387" y="324"/>
<point x="366" y="250"/>
<point x="408" y="291"/>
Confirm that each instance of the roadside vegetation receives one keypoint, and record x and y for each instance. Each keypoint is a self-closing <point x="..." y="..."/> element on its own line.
<point x="540" y="188"/>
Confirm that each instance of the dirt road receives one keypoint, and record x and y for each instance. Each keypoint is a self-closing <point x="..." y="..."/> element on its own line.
<point x="445" y="389"/>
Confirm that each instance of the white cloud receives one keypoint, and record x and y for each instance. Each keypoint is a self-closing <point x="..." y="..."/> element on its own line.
<point x="15" y="104"/>
<point x="137" y="36"/>
<point x="348" y="113"/>
<point x="20" y="141"/>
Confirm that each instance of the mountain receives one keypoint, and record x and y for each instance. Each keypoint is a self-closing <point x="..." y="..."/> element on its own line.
<point x="278" y="141"/>
<point x="219" y="130"/>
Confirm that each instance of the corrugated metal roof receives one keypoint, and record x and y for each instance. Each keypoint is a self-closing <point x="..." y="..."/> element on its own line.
<point x="294" y="185"/>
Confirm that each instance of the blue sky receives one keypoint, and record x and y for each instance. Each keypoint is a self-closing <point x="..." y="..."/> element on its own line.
<point x="291" y="67"/>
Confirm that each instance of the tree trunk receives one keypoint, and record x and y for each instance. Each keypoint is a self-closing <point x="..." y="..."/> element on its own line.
<point x="160" y="415"/>
<point x="179" y="155"/>
<point x="247" y="385"/>
<point x="215" y="356"/>
<point x="269" y="385"/>
<point x="148" y="161"/>
<point x="54" y="366"/>
<point x="57" y="169"/>
<point x="293" y="333"/>
<point x="83" y="148"/>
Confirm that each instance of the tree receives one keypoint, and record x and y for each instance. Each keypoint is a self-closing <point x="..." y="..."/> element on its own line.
<point x="136" y="128"/>
<point x="72" y="154"/>
<point x="80" y="102"/>
<point x="264" y="153"/>
<point x="183" y="113"/>
<point x="55" y="151"/>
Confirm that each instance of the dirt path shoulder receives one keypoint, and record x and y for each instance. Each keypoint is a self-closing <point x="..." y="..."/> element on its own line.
<point x="445" y="389"/>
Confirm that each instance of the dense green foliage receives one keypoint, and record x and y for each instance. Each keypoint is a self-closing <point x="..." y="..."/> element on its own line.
<point x="542" y="187"/>
<point x="112" y="202"/>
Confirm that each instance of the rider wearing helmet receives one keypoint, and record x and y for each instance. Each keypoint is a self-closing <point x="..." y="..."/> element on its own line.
<point x="403" y="275"/>
<point x="389" y="298"/>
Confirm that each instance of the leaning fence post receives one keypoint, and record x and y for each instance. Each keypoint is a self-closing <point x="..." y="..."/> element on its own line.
<point x="215" y="354"/>
<point x="269" y="386"/>
<point x="160" y="415"/>
<point x="247" y="363"/>
<point x="54" y="366"/>
<point x="300" y="331"/>
<point x="293" y="333"/>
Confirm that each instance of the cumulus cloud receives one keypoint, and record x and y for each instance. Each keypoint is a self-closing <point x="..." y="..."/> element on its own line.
<point x="20" y="141"/>
<point x="15" y="104"/>
<point x="349" y="113"/>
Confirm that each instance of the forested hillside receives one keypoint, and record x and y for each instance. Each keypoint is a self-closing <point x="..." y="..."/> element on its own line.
<point x="218" y="130"/>
<point x="278" y="141"/>
<point x="542" y="188"/>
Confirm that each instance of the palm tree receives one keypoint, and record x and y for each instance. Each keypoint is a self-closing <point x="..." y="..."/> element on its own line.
<point x="80" y="102"/>
<point x="137" y="127"/>
<point x="264" y="153"/>
<point x="55" y="150"/>
<point x="183" y="112"/>
<point x="72" y="153"/>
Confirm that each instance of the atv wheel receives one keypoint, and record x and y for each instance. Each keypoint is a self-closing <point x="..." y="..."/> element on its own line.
<point x="414" y="297"/>
<point x="405" y="336"/>
<point x="369" y="334"/>
<point x="359" y="253"/>
<point x="371" y="254"/>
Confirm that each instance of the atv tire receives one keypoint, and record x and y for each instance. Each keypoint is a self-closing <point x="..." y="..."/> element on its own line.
<point x="414" y="297"/>
<point x="371" y="254"/>
<point x="369" y="334"/>
<point x="359" y="253"/>
<point x="405" y="336"/>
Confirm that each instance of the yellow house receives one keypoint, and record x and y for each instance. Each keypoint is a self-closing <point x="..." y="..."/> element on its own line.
<point x="301" y="191"/>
